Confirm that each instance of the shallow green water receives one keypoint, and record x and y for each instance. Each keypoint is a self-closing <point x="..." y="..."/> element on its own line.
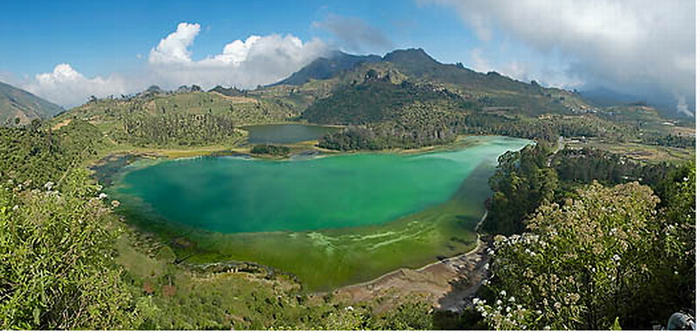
<point x="286" y="133"/>
<point x="331" y="221"/>
<point x="232" y="194"/>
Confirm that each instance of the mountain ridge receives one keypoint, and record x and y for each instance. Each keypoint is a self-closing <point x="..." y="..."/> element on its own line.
<point x="20" y="107"/>
<point x="326" y="67"/>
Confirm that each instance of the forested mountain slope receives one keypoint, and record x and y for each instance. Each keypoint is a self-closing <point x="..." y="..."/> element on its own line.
<point x="20" y="107"/>
<point x="185" y="117"/>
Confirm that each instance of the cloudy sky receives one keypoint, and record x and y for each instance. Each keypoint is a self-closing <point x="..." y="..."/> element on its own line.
<point x="66" y="51"/>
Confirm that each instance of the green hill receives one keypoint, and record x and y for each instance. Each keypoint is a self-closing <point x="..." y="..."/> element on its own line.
<point x="185" y="117"/>
<point x="20" y="107"/>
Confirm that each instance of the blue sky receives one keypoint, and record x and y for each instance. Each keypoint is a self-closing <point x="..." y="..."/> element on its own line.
<point x="100" y="37"/>
<point x="68" y="50"/>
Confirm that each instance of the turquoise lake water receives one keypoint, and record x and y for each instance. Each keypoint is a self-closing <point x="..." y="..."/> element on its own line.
<point x="234" y="194"/>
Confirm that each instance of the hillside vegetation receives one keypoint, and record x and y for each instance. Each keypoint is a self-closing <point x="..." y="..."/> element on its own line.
<point x="405" y="99"/>
<point x="410" y="100"/>
<point x="601" y="240"/>
<point x="170" y="119"/>
<point x="20" y="107"/>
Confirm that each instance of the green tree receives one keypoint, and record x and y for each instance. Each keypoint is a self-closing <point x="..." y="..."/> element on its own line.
<point x="673" y="272"/>
<point x="521" y="183"/>
<point x="56" y="260"/>
<point x="579" y="265"/>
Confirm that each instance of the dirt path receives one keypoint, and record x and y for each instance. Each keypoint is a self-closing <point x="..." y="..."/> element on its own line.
<point x="560" y="146"/>
<point x="448" y="284"/>
<point x="236" y="99"/>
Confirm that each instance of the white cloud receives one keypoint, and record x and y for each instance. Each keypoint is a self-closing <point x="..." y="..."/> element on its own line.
<point x="175" y="47"/>
<point x="517" y="70"/>
<point x="257" y="60"/>
<point x="514" y="69"/>
<point x="354" y="34"/>
<point x="67" y="87"/>
<point x="479" y="63"/>
<point x="682" y="106"/>
<point x="640" y="46"/>
<point x="547" y="75"/>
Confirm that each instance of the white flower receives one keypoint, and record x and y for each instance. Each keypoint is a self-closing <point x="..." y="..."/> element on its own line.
<point x="48" y="185"/>
<point x="349" y="308"/>
<point x="499" y="302"/>
<point x="503" y="292"/>
<point x="547" y="328"/>
<point x="616" y="257"/>
<point x="102" y="196"/>
<point x="511" y="299"/>
<point x="15" y="207"/>
<point x="538" y="312"/>
<point x="508" y="309"/>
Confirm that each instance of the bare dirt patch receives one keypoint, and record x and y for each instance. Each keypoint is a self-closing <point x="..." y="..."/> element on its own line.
<point x="448" y="284"/>
<point x="61" y="124"/>
<point x="236" y="99"/>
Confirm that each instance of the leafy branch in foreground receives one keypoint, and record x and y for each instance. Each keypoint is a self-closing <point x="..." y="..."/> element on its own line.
<point x="605" y="255"/>
<point x="56" y="260"/>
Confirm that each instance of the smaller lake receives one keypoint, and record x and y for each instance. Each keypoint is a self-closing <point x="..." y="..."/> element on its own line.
<point x="286" y="133"/>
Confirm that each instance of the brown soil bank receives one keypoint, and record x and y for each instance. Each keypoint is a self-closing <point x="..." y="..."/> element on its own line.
<point x="448" y="284"/>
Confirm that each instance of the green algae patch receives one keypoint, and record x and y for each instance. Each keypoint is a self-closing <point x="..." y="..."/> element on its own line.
<point x="330" y="221"/>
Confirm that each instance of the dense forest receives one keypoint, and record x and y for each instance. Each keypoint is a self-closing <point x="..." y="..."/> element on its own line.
<point x="177" y="129"/>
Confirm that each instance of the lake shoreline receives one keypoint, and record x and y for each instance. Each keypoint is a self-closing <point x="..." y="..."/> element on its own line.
<point x="434" y="279"/>
<point x="241" y="247"/>
<point x="304" y="149"/>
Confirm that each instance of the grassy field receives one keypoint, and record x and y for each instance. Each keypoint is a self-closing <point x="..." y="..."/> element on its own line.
<point x="174" y="298"/>
<point x="638" y="151"/>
